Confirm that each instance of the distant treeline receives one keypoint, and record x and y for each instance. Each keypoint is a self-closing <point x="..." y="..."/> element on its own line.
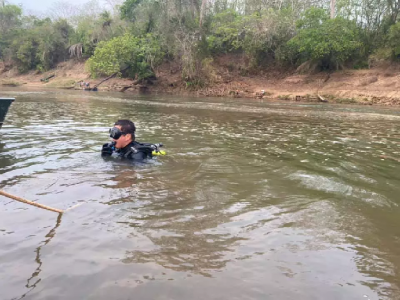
<point x="138" y="35"/>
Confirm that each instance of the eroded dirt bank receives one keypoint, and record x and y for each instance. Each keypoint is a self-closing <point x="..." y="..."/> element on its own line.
<point x="379" y="85"/>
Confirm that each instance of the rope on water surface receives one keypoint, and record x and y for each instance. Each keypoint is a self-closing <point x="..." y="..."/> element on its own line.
<point x="3" y="193"/>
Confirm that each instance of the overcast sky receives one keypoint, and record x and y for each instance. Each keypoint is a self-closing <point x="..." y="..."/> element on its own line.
<point x="41" y="6"/>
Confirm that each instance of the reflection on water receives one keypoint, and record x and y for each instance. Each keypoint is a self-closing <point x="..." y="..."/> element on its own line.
<point x="33" y="281"/>
<point x="275" y="201"/>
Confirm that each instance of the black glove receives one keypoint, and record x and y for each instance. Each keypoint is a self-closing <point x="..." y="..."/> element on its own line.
<point x="107" y="149"/>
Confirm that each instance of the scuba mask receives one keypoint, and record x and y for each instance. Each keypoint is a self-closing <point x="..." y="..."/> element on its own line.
<point x="115" y="133"/>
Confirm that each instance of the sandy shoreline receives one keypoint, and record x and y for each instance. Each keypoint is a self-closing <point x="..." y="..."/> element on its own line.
<point x="368" y="87"/>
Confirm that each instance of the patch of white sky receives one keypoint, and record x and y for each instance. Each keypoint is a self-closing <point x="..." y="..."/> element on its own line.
<point x="45" y="7"/>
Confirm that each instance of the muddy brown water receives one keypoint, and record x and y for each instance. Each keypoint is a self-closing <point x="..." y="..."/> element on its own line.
<point x="254" y="200"/>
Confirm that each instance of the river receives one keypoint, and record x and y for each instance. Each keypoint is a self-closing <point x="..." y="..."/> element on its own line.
<point x="254" y="200"/>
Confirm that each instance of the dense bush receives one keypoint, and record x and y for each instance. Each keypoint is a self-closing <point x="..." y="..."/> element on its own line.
<point x="225" y="32"/>
<point x="138" y="56"/>
<point x="10" y="21"/>
<point x="42" y="46"/>
<point x="330" y="42"/>
<point x="393" y="40"/>
<point x="259" y="35"/>
<point x="265" y="34"/>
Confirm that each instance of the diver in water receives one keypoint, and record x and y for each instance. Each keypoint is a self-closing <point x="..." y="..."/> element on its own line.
<point x="124" y="144"/>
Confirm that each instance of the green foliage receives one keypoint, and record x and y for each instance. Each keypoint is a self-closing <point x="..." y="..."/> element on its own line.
<point x="194" y="84"/>
<point x="53" y="41"/>
<point x="91" y="30"/>
<point x="86" y="34"/>
<point x="393" y="39"/>
<point x="345" y="100"/>
<point x="41" y="46"/>
<point x="331" y="42"/>
<point x="260" y="35"/>
<point x="266" y="34"/>
<point x="360" y="64"/>
<point x="10" y="82"/>
<point x="10" y="21"/>
<point x="312" y="18"/>
<point x="10" y="17"/>
<point x="194" y="32"/>
<point x="29" y="42"/>
<point x="25" y="56"/>
<point x="284" y="97"/>
<point x="145" y="17"/>
<point x="225" y="32"/>
<point x="381" y="54"/>
<point x="139" y="55"/>
<point x="127" y="9"/>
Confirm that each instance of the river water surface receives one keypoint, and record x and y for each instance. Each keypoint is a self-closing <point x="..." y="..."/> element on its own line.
<point x="254" y="200"/>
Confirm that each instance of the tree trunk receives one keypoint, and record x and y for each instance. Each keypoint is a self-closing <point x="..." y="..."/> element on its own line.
<point x="202" y="9"/>
<point x="333" y="5"/>
<point x="111" y="76"/>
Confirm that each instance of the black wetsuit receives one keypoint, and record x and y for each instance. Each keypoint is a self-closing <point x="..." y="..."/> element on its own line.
<point x="134" y="151"/>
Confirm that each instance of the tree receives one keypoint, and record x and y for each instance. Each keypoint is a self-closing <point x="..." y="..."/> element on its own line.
<point x="10" y="18"/>
<point x="41" y="45"/>
<point x="127" y="9"/>
<point x="393" y="40"/>
<point x="138" y="56"/>
<point x="330" y="42"/>
<point x="10" y="22"/>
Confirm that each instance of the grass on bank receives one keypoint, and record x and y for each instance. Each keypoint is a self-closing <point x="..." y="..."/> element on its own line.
<point x="61" y="84"/>
<point x="10" y="82"/>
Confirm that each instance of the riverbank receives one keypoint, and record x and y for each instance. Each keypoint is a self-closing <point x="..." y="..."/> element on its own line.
<point x="379" y="85"/>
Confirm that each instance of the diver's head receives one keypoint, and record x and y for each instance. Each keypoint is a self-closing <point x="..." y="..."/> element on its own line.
<point x="123" y="133"/>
